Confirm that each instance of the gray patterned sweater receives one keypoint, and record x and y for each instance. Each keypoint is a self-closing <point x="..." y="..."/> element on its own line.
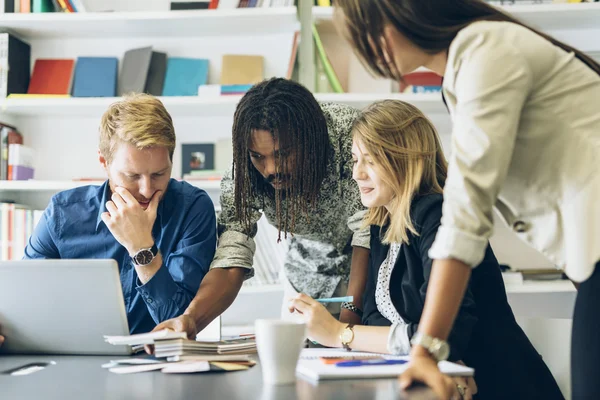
<point x="319" y="250"/>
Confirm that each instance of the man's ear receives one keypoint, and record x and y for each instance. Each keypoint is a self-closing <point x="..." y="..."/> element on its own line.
<point x="102" y="161"/>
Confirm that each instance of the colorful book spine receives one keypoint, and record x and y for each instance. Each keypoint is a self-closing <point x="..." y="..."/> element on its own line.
<point x="20" y="162"/>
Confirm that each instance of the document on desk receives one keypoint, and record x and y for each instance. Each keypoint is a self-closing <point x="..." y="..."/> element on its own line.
<point x="145" y="338"/>
<point x="311" y="366"/>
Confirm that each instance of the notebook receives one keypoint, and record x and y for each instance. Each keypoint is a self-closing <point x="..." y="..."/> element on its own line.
<point x="156" y="74"/>
<point x="134" y="70"/>
<point x="184" y="76"/>
<point x="95" y="77"/>
<point x="312" y="368"/>
<point x="51" y="76"/>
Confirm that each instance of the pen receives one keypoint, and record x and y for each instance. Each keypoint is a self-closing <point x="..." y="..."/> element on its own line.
<point x="364" y="363"/>
<point x="336" y="299"/>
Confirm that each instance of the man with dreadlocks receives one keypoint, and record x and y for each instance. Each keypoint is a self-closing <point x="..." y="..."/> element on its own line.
<point x="292" y="162"/>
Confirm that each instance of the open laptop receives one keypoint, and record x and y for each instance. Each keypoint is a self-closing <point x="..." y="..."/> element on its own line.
<point x="61" y="307"/>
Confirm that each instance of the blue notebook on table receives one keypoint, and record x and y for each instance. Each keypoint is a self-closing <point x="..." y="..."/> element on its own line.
<point x="184" y="75"/>
<point x="95" y="77"/>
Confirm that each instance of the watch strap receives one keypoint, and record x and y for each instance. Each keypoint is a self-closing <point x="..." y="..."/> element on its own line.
<point x="346" y="343"/>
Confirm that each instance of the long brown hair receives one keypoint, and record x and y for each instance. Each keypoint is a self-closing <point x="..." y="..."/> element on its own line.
<point x="407" y="156"/>
<point x="431" y="25"/>
<point x="295" y="119"/>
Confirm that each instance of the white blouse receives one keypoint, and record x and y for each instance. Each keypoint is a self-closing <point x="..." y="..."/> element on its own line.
<point x="525" y="139"/>
<point x="398" y="342"/>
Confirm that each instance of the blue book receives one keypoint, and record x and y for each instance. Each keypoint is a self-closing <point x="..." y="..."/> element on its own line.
<point x="184" y="75"/>
<point x="426" y="89"/>
<point x="95" y="77"/>
<point x="235" y="89"/>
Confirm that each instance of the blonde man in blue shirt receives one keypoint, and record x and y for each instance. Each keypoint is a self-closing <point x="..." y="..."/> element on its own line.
<point x="162" y="232"/>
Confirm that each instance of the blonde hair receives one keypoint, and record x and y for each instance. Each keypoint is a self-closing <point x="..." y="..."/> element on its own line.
<point x="139" y="119"/>
<point x="407" y="155"/>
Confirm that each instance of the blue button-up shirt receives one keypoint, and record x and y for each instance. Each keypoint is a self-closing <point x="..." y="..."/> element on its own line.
<point x="185" y="233"/>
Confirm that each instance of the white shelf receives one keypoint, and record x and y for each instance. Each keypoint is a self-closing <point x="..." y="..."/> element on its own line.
<point x="223" y="106"/>
<point x="225" y="22"/>
<point x="543" y="16"/>
<point x="56" y="186"/>
<point x="95" y="107"/>
<point x="427" y="102"/>
<point x="535" y="287"/>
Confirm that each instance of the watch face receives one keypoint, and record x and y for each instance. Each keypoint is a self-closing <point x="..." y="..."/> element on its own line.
<point x="143" y="257"/>
<point x="441" y="350"/>
<point x="347" y="335"/>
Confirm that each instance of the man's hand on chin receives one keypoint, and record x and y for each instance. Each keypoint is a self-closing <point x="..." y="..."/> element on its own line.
<point x="1" y="340"/>
<point x="183" y="323"/>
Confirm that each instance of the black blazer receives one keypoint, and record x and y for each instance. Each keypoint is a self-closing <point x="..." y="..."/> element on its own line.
<point x="485" y="334"/>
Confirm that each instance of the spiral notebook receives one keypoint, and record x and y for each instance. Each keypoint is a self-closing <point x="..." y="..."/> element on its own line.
<point x="312" y="368"/>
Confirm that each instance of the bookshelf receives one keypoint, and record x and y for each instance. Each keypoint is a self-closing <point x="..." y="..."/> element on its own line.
<point x="222" y="106"/>
<point x="152" y="23"/>
<point x="94" y="107"/>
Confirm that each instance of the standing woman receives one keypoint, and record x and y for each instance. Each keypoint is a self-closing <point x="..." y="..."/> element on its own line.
<point x="526" y="139"/>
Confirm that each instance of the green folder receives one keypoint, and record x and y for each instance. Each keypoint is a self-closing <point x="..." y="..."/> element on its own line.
<point x="41" y="6"/>
<point x="333" y="79"/>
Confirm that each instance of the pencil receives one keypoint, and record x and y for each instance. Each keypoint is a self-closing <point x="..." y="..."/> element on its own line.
<point x="336" y="299"/>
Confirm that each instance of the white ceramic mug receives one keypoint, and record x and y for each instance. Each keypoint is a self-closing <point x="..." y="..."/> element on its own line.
<point x="279" y="344"/>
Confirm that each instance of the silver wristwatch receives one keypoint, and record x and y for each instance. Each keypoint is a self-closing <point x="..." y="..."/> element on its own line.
<point x="438" y="348"/>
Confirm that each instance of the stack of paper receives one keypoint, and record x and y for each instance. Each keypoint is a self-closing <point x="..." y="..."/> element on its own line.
<point x="185" y="347"/>
<point x="144" y="338"/>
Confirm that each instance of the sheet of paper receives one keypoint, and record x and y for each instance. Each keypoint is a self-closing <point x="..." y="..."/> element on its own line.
<point x="186" y="367"/>
<point x="144" y="338"/>
<point x="132" y="369"/>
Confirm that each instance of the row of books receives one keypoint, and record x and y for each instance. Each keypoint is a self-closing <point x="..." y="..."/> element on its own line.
<point x="41" y="6"/>
<point x="16" y="159"/>
<point x="214" y="4"/>
<point x="143" y="70"/>
<point x="16" y="226"/>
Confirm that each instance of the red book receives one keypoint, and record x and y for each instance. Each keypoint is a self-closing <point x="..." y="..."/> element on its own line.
<point x="51" y="77"/>
<point x="424" y="78"/>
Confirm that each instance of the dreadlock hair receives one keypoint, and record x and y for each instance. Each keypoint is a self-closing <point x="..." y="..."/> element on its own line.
<point x="294" y="118"/>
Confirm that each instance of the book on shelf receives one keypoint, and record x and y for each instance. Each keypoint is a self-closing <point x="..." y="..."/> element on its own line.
<point x="15" y="57"/>
<point x="17" y="222"/>
<point x="239" y="72"/>
<point x="51" y="76"/>
<point x="42" y="6"/>
<point x="95" y="77"/>
<point x="9" y="135"/>
<point x="193" y="4"/>
<point x="184" y="76"/>
<point x="155" y="80"/>
<point x="20" y="162"/>
<point x="421" y="82"/>
<point x="134" y="70"/>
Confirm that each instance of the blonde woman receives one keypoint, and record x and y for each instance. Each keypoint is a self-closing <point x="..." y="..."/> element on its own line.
<point x="400" y="170"/>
